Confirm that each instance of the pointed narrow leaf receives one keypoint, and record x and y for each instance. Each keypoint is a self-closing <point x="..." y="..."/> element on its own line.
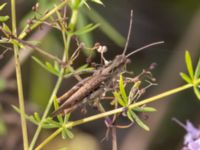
<point x="36" y="117"/>
<point x="119" y="99"/>
<point x="70" y="134"/>
<point x="86" y="29"/>
<point x="49" y="126"/>
<point x="39" y="62"/>
<point x="56" y="105"/>
<point x="189" y="64"/>
<point x="129" y="115"/>
<point x="197" y="70"/>
<point x="4" y="18"/>
<point x="197" y="92"/>
<point x="6" y="28"/>
<point x="56" y="66"/>
<point x="82" y="67"/>
<point x="46" y="66"/>
<point x="98" y="2"/>
<point x="87" y="38"/>
<point x="185" y="77"/>
<point x="29" y="118"/>
<point x="122" y="90"/>
<point x="64" y="134"/>
<point x="49" y="123"/>
<point x="86" y="4"/>
<point x="139" y="122"/>
<point x="50" y="68"/>
<point x="2" y="6"/>
<point x="67" y="134"/>
<point x="66" y="118"/>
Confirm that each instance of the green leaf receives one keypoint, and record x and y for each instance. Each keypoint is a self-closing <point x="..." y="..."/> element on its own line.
<point x="29" y="118"/>
<point x="86" y="29"/>
<point x="98" y="2"/>
<point x="15" y="42"/>
<point x="83" y="68"/>
<point x="36" y="117"/>
<point x="139" y="122"/>
<point x="4" y="18"/>
<point x="66" y="133"/>
<point x="144" y="109"/>
<point x="49" y="126"/>
<point x="39" y="62"/>
<point x="66" y="118"/>
<point x="6" y="28"/>
<point x="68" y="73"/>
<point x="129" y="115"/>
<point x="46" y="66"/>
<point x="48" y="123"/>
<point x="75" y="4"/>
<point x="51" y="68"/>
<point x="56" y="66"/>
<point x="56" y="106"/>
<point x="185" y="77"/>
<point x="86" y="38"/>
<point x="133" y="92"/>
<point x="189" y="64"/>
<point x="197" y="92"/>
<point x="2" y="6"/>
<point x="70" y="134"/>
<point x="122" y="90"/>
<point x="119" y="99"/>
<point x="85" y="3"/>
<point x="197" y="70"/>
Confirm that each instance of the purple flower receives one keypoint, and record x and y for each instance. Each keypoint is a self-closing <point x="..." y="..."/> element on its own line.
<point x="192" y="137"/>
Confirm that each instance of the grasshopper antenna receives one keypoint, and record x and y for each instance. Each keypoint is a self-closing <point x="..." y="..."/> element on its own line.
<point x="129" y="33"/>
<point x="144" y="47"/>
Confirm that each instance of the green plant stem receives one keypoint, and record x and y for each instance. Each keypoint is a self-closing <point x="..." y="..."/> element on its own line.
<point x="118" y="110"/>
<point x="38" y="130"/>
<point x="19" y="79"/>
<point x="33" y="26"/>
<point x="58" y="83"/>
<point x="65" y="58"/>
<point x="51" y="137"/>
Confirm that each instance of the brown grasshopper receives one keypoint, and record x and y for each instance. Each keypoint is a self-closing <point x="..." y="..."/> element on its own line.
<point x="93" y="86"/>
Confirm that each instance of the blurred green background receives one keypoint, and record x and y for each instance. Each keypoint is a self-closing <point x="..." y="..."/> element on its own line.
<point x="175" y="22"/>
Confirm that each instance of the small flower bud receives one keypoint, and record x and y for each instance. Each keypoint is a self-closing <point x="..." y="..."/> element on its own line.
<point x="102" y="49"/>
